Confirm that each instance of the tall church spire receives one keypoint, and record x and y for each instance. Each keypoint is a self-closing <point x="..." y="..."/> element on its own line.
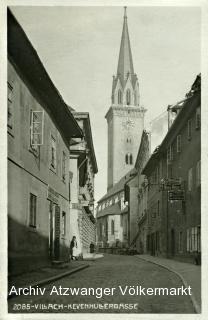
<point x="125" y="89"/>
<point x="125" y="62"/>
<point x="125" y="117"/>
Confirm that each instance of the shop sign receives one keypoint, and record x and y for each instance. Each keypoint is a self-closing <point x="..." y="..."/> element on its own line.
<point x="176" y="195"/>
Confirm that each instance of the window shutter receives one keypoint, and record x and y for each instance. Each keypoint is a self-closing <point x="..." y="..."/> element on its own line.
<point x="37" y="122"/>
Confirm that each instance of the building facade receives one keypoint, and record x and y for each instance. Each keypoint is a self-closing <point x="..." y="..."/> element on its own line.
<point x="40" y="127"/>
<point x="113" y="215"/>
<point x="136" y="195"/>
<point x="174" y="184"/>
<point x="83" y="167"/>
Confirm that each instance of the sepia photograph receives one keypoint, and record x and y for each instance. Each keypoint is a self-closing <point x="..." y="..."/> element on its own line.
<point x="103" y="158"/>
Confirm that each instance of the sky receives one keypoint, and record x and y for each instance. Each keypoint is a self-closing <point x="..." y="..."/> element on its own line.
<point x="79" y="47"/>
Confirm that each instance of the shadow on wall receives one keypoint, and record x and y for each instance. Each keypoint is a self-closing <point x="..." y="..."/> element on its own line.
<point x="29" y="250"/>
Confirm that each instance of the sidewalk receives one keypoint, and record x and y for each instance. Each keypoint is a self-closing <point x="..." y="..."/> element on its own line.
<point x="45" y="275"/>
<point x="92" y="256"/>
<point x="190" y="274"/>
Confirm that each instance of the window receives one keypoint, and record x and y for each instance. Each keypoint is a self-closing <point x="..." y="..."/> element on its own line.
<point x="129" y="158"/>
<point x="64" y="166"/>
<point x="170" y="153"/>
<point x="106" y="228"/>
<point x="188" y="244"/>
<point x="128" y="140"/>
<point x="112" y="227"/>
<point x="128" y="97"/>
<point x="10" y="105"/>
<point x="194" y="239"/>
<point x="198" y="173"/>
<point x="190" y="179"/>
<point x="33" y="209"/>
<point x="189" y="129"/>
<point x="119" y="97"/>
<point x="53" y="153"/>
<point x="199" y="239"/>
<point x="179" y="143"/>
<point x="63" y="223"/>
<point x="180" y="242"/>
<point x="36" y="129"/>
<point x="100" y="225"/>
<point x="198" y="118"/>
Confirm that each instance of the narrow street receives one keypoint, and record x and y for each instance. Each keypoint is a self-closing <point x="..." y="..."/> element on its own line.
<point x="111" y="271"/>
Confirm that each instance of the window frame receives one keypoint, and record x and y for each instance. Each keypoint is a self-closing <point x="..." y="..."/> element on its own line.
<point x="10" y="106"/>
<point x="34" y="124"/>
<point x="32" y="211"/>
<point x="112" y="227"/>
<point x="63" y="223"/>
<point x="129" y="158"/>
<point x="53" y="154"/>
<point x="198" y="173"/>
<point x="128" y="97"/>
<point x="119" y="96"/>
<point x="63" y="168"/>
<point x="178" y="143"/>
<point x="170" y="153"/>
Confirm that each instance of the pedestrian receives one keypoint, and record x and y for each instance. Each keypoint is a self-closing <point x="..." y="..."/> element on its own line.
<point x="73" y="248"/>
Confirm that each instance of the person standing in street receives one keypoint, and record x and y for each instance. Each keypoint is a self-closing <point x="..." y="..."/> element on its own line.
<point x="73" y="248"/>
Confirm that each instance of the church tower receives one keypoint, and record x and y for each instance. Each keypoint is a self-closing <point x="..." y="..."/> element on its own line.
<point x="125" y="117"/>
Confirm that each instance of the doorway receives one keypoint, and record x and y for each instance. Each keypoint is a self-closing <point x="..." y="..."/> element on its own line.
<point x="54" y="231"/>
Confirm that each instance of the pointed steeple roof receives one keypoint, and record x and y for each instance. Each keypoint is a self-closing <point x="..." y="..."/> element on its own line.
<point x="125" y="62"/>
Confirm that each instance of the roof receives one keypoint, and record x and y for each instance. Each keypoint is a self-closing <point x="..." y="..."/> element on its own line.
<point x="86" y="117"/>
<point x="125" y="61"/>
<point x="144" y="141"/>
<point x="26" y="61"/>
<point x="119" y="186"/>
<point x="115" y="209"/>
<point x="152" y="161"/>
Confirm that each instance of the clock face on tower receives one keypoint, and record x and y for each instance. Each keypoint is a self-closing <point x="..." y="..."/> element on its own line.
<point x="128" y="124"/>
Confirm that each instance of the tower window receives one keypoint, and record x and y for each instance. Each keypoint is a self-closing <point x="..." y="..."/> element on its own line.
<point x="129" y="158"/>
<point x="119" y="96"/>
<point x="128" y="97"/>
<point x="128" y="140"/>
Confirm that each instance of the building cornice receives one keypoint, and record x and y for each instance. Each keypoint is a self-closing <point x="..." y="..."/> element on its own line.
<point x="124" y="111"/>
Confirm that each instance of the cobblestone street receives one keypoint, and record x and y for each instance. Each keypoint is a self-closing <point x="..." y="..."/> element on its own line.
<point x="111" y="271"/>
